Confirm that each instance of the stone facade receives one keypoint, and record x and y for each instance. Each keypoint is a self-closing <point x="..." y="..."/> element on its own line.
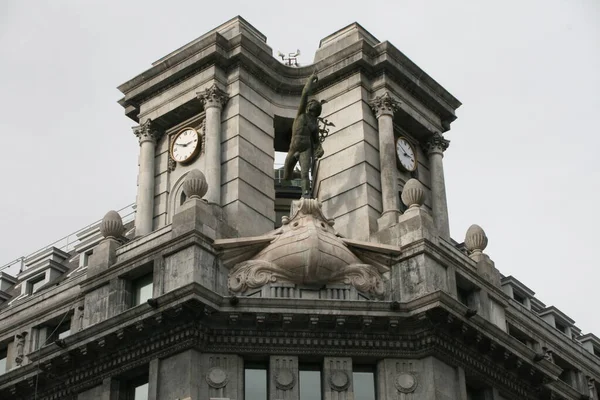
<point x="359" y="294"/>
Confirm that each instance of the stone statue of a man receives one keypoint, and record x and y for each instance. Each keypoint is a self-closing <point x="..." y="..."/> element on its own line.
<point x="305" y="145"/>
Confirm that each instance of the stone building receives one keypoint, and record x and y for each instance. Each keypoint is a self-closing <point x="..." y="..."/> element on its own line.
<point x="230" y="285"/>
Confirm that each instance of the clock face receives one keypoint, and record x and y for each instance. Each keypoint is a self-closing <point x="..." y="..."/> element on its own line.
<point x="406" y="154"/>
<point x="186" y="145"/>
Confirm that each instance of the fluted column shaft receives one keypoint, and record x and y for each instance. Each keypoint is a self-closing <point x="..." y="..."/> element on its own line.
<point x="435" y="149"/>
<point x="145" y="196"/>
<point x="213" y="99"/>
<point x="384" y="107"/>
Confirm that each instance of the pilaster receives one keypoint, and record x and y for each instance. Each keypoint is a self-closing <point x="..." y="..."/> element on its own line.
<point x="337" y="380"/>
<point x="283" y="378"/>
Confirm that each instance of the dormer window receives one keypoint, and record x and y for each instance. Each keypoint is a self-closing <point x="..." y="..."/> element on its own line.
<point x="561" y="327"/>
<point x="35" y="283"/>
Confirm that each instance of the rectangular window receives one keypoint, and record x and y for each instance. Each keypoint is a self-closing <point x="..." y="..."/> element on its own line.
<point x="50" y="332"/>
<point x="560" y="327"/>
<point x="142" y="289"/>
<point x="596" y="351"/>
<point x="255" y="381"/>
<point x="35" y="283"/>
<point x="60" y="332"/>
<point x="140" y="392"/>
<point x="3" y="357"/>
<point x="310" y="382"/>
<point x="519" y="298"/>
<point x="363" y="381"/>
<point x="520" y="336"/>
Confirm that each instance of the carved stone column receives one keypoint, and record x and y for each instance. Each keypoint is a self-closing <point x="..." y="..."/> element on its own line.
<point x="148" y="137"/>
<point x="384" y="107"/>
<point x="435" y="149"/>
<point x="214" y="100"/>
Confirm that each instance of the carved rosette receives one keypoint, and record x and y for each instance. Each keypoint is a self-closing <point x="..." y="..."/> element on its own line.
<point x="217" y="377"/>
<point x="436" y="144"/>
<point x="284" y="379"/>
<point x="339" y="381"/>
<point x="384" y="105"/>
<point x="213" y="97"/>
<point x="405" y="382"/>
<point x="146" y="132"/>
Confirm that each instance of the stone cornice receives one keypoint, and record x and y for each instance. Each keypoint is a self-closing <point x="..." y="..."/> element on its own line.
<point x="556" y="341"/>
<point x="376" y="330"/>
<point x="216" y="50"/>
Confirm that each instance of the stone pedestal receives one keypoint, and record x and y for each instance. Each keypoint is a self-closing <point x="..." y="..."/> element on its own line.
<point x="103" y="257"/>
<point x="487" y="269"/>
<point x="198" y="215"/>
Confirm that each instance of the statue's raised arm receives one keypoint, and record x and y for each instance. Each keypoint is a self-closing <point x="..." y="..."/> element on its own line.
<point x="307" y="91"/>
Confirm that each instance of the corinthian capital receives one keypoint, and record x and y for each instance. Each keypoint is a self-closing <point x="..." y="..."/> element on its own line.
<point x="384" y="105"/>
<point x="146" y="132"/>
<point x="437" y="144"/>
<point x="213" y="97"/>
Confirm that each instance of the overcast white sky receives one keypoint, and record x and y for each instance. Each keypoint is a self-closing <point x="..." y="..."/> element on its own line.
<point x="521" y="163"/>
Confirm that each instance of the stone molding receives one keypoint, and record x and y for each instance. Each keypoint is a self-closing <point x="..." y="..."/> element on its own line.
<point x="110" y="353"/>
<point x="384" y="104"/>
<point x="213" y="97"/>
<point x="146" y="132"/>
<point x="437" y="144"/>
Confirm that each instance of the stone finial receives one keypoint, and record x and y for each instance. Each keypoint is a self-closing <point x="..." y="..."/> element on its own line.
<point x="195" y="185"/>
<point x="475" y="240"/>
<point x="112" y="225"/>
<point x="413" y="194"/>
